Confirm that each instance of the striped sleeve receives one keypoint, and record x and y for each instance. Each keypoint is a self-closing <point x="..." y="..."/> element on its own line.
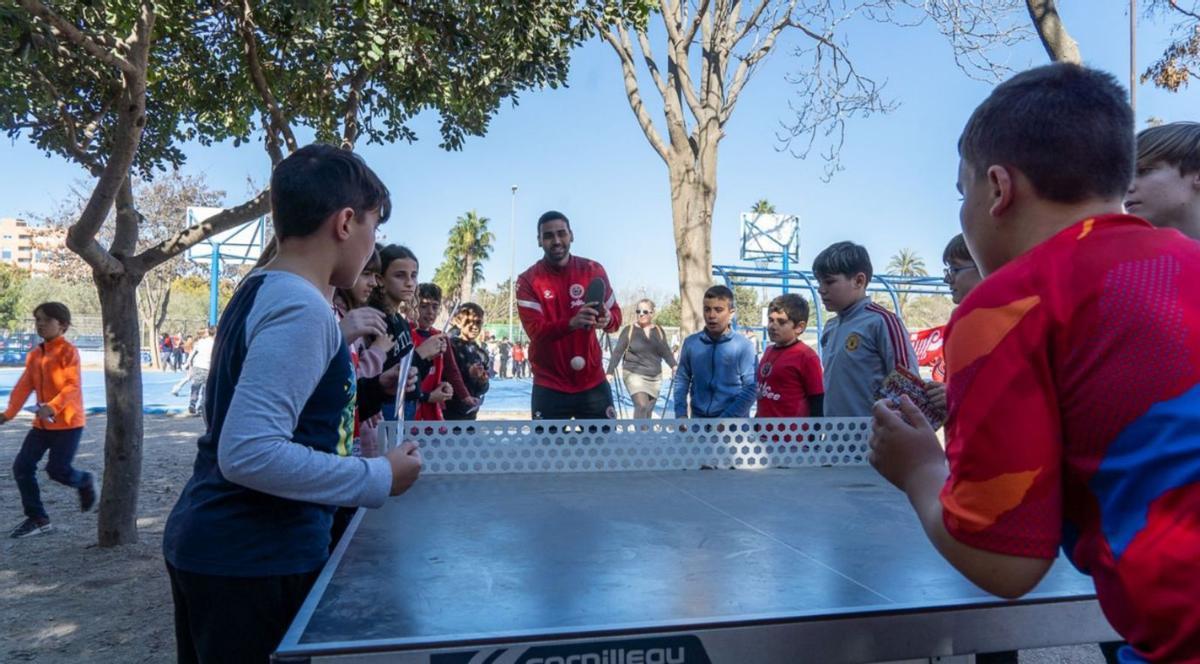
<point x="894" y="344"/>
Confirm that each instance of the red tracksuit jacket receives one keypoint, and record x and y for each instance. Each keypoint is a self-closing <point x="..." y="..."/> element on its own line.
<point x="547" y="298"/>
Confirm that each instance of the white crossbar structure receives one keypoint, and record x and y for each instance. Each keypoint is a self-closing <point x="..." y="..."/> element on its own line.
<point x="565" y="446"/>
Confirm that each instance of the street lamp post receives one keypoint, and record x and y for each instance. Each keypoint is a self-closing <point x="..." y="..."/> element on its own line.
<point x="512" y="265"/>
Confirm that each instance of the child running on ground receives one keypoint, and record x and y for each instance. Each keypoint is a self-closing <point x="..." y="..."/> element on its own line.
<point x="52" y="375"/>
<point x="1074" y="371"/>
<point x="866" y="342"/>
<point x="1166" y="184"/>
<point x="789" y="374"/>
<point x="251" y="529"/>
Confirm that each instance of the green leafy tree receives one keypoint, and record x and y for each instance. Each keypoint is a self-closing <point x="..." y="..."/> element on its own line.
<point x="906" y="263"/>
<point x="763" y="206"/>
<point x="470" y="243"/>
<point x="12" y="287"/>
<point x="668" y="315"/>
<point x="79" y="297"/>
<point x="748" y="309"/>
<point x="119" y="87"/>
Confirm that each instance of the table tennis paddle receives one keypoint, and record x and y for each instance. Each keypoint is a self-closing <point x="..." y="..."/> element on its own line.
<point x="594" y="295"/>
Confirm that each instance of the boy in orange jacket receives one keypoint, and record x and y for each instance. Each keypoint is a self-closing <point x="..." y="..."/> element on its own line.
<point x="52" y="373"/>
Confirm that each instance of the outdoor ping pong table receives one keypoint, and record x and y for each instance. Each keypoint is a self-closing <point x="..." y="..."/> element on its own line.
<point x="605" y="543"/>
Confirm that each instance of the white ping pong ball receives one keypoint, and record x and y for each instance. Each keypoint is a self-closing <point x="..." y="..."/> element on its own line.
<point x="577" y="363"/>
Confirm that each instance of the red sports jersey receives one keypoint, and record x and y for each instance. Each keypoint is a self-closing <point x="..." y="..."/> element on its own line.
<point x="786" y="378"/>
<point x="1074" y="396"/>
<point x="547" y="298"/>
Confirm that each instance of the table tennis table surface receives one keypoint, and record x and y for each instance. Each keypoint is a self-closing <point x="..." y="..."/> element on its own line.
<point x="502" y="559"/>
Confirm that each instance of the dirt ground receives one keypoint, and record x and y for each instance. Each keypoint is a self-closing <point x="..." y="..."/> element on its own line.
<point x="63" y="599"/>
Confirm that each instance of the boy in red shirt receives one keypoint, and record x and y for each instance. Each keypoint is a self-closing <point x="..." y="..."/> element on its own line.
<point x="790" y="383"/>
<point x="1073" y="371"/>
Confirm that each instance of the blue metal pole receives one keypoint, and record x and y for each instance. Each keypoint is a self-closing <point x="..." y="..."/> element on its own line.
<point x="214" y="283"/>
<point x="787" y="249"/>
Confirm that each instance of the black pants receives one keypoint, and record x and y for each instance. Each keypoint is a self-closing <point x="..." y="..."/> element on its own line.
<point x="593" y="404"/>
<point x="62" y="445"/>
<point x="222" y="619"/>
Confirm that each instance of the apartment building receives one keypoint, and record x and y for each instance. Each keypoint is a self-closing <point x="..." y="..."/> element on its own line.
<point x="28" y="247"/>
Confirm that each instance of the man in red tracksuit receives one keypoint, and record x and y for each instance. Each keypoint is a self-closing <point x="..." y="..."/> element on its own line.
<point x="564" y="356"/>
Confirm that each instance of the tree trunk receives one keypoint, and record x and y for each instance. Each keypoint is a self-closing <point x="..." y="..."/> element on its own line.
<point x="117" y="523"/>
<point x="464" y="288"/>
<point x="1050" y="29"/>
<point x="693" y="194"/>
<point x="155" y="354"/>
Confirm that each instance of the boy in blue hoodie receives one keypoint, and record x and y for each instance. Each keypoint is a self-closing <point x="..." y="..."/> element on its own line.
<point x="716" y="366"/>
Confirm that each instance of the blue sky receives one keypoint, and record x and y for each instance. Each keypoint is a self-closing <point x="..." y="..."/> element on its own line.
<point x="579" y="150"/>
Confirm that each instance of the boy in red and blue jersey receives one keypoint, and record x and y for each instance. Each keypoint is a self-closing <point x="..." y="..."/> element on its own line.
<point x="1074" y="371"/>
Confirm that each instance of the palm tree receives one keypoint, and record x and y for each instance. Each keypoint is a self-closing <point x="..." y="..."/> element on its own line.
<point x="906" y="263"/>
<point x="763" y="206"/>
<point x="468" y="246"/>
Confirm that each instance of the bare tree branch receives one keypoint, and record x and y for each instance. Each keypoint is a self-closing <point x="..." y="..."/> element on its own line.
<point x="679" y="51"/>
<point x="74" y="35"/>
<point x="834" y="92"/>
<point x="1058" y="43"/>
<point x="350" y="126"/>
<point x="697" y="17"/>
<point x="258" y="77"/>
<point x="1175" y="5"/>
<point x="752" y="21"/>
<point x="746" y="66"/>
<point x="188" y="237"/>
<point x="633" y="92"/>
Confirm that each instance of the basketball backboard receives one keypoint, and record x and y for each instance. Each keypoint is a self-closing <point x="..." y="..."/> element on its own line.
<point x="242" y="244"/>
<point x="769" y="236"/>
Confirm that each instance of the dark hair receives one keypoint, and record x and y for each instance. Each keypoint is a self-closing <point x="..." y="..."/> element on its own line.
<point x="372" y="266"/>
<point x="374" y="262"/>
<point x="1068" y="128"/>
<point x="720" y="292"/>
<point x="844" y="258"/>
<point x="552" y="215"/>
<point x="469" y="307"/>
<point x="791" y="305"/>
<point x="1176" y="144"/>
<point x="395" y="252"/>
<point x="957" y="250"/>
<point x="388" y="255"/>
<point x="318" y="180"/>
<point x="429" y="292"/>
<point x="56" y="310"/>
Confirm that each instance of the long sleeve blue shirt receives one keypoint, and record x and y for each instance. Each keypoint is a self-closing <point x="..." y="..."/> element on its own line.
<point x="717" y="375"/>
